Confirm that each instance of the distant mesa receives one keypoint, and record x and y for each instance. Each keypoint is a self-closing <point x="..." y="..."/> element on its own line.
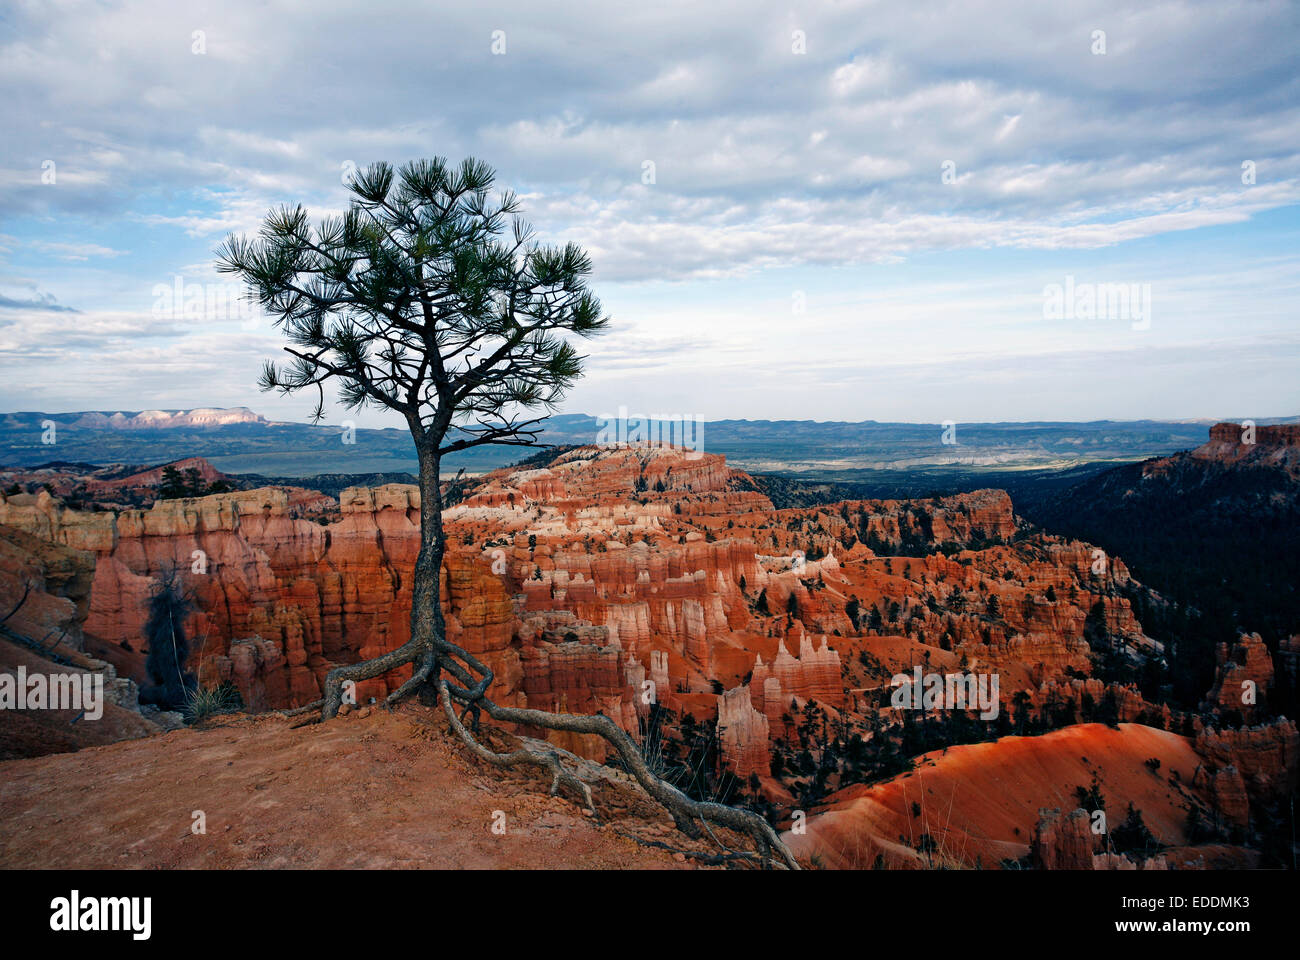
<point x="1282" y="435"/>
<point x="1239" y="446"/>
<point x="168" y="419"/>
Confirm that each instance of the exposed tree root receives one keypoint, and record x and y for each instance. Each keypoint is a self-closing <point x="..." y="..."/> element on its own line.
<point x="418" y="678"/>
<point x="365" y="670"/>
<point x="711" y="859"/>
<point x="306" y="708"/>
<point x="550" y="761"/>
<point x="687" y="813"/>
<point x="330" y="704"/>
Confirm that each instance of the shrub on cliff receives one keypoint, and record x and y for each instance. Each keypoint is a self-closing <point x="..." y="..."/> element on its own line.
<point x="169" y="647"/>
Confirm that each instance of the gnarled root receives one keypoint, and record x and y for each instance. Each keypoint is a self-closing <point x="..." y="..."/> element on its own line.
<point x="684" y="810"/>
<point x="305" y="708"/>
<point x="366" y="670"/>
<point x="712" y="859"/>
<point x="471" y="692"/>
<point x="551" y="761"/>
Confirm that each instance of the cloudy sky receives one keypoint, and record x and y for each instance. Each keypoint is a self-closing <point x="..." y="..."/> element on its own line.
<point x="823" y="211"/>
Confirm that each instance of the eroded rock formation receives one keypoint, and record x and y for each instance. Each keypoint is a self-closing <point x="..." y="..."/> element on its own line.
<point x="610" y="579"/>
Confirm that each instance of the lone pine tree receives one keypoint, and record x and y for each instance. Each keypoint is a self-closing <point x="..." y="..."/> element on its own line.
<point x="430" y="298"/>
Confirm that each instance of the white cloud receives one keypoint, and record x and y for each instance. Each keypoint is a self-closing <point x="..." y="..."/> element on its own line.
<point x="765" y="160"/>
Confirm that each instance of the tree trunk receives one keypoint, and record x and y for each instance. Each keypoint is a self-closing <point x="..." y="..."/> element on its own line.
<point x="428" y="626"/>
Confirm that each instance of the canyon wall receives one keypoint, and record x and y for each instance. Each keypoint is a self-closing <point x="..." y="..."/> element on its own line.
<point x="601" y="575"/>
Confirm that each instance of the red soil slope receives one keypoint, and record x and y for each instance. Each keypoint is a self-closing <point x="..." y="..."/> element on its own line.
<point x="981" y="801"/>
<point x="32" y="733"/>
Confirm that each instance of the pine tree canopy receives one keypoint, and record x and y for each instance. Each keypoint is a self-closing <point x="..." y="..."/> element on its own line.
<point x="430" y="297"/>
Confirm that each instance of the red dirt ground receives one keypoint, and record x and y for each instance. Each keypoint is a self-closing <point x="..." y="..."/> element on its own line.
<point x="380" y="791"/>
